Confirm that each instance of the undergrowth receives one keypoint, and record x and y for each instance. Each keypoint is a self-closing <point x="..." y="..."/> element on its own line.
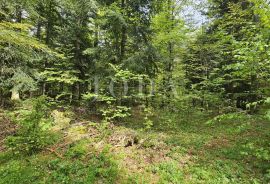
<point x="231" y="148"/>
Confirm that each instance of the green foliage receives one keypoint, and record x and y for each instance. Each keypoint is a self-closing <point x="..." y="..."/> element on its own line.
<point x="267" y="115"/>
<point x="148" y="111"/>
<point x="78" y="150"/>
<point x="33" y="134"/>
<point x="22" y="82"/>
<point x="64" y="77"/>
<point x="19" y="40"/>
<point x="19" y="172"/>
<point x="19" y="52"/>
<point x="113" y="113"/>
<point x="100" y="168"/>
<point x="225" y="117"/>
<point x="169" y="36"/>
<point x="260" y="153"/>
<point x="112" y="58"/>
<point x="231" y="60"/>
<point x="39" y="169"/>
<point x="169" y="172"/>
<point x="109" y="110"/>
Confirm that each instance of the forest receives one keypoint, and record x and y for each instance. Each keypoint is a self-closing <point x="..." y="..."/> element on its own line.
<point x="135" y="91"/>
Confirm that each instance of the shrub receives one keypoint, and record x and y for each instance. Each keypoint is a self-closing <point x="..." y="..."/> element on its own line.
<point x="100" y="168"/>
<point x="169" y="172"/>
<point x="32" y="135"/>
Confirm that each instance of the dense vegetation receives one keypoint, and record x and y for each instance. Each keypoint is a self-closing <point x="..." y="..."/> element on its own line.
<point x="134" y="91"/>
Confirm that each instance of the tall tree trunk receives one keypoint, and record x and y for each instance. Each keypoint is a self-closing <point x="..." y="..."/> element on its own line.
<point x="1" y="98"/>
<point x="49" y="28"/>
<point x="123" y="34"/>
<point x="78" y="60"/>
<point x="49" y="25"/>
<point x="19" y="13"/>
<point x="170" y="64"/>
<point x="39" y="30"/>
<point x="96" y="41"/>
<point x="15" y="95"/>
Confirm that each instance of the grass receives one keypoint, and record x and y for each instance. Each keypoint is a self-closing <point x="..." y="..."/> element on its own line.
<point x="51" y="169"/>
<point x="175" y="150"/>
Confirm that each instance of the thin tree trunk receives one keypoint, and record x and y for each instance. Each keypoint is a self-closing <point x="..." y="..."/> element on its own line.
<point x="123" y="35"/>
<point x="39" y="30"/>
<point x="19" y="14"/>
<point x="169" y="66"/>
<point x="49" y="27"/>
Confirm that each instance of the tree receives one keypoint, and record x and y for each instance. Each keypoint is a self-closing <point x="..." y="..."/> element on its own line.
<point x="168" y="39"/>
<point x="237" y="54"/>
<point x="19" y="53"/>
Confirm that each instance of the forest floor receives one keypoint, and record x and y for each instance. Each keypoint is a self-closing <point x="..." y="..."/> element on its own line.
<point x="175" y="150"/>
